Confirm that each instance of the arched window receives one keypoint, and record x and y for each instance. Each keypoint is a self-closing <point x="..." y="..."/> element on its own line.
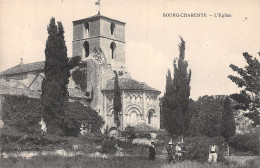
<point x="150" y="116"/>
<point x="133" y="118"/>
<point x="113" y="47"/>
<point x="86" y="48"/>
<point x="112" y="28"/>
<point x="86" y="29"/>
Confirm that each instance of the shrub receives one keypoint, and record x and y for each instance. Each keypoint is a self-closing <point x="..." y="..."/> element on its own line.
<point x="96" y="138"/>
<point x="109" y="145"/>
<point x="198" y="147"/>
<point x="245" y="142"/>
<point x="13" y="140"/>
<point x="22" y="113"/>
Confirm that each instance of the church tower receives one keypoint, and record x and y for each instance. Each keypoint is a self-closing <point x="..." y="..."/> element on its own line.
<point x="103" y="32"/>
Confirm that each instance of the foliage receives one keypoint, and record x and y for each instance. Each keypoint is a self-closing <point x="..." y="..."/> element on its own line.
<point x="117" y="100"/>
<point x="79" y="75"/>
<point x="249" y="81"/>
<point x="109" y="145"/>
<point x="175" y="102"/>
<point x="22" y="113"/>
<point x="207" y="115"/>
<point x="132" y="133"/>
<point x="74" y="61"/>
<point x="228" y="127"/>
<point x="115" y="162"/>
<point x="77" y="115"/>
<point x="198" y="147"/>
<point x="245" y="142"/>
<point x="57" y="73"/>
<point x="90" y="137"/>
<point x="13" y="140"/>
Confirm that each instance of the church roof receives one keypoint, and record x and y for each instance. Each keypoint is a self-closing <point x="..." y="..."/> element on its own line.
<point x="24" y="68"/>
<point x="95" y="17"/>
<point x="129" y="84"/>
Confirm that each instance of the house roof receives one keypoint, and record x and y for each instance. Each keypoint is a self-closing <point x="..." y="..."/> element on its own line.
<point x="8" y="90"/>
<point x="24" y="68"/>
<point x="129" y="84"/>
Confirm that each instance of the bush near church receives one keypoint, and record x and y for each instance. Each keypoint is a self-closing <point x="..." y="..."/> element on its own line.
<point x="22" y="131"/>
<point x="198" y="147"/>
<point x="248" y="142"/>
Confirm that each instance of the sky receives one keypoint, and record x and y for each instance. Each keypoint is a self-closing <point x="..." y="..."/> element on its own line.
<point x="212" y="43"/>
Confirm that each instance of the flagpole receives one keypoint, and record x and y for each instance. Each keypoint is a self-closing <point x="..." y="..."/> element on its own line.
<point x="99" y="7"/>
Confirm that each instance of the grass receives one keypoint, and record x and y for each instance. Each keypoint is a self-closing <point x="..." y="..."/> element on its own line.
<point x="128" y="162"/>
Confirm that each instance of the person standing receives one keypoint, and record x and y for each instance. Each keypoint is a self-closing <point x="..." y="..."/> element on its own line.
<point x="178" y="151"/>
<point x="170" y="152"/>
<point x="213" y="153"/>
<point x="152" y="151"/>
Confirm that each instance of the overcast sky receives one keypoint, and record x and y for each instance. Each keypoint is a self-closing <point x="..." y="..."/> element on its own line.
<point x="212" y="43"/>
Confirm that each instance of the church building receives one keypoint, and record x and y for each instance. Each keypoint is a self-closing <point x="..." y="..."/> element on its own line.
<point x="100" y="42"/>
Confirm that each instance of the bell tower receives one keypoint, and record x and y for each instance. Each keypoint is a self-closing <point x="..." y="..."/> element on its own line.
<point x="103" y="32"/>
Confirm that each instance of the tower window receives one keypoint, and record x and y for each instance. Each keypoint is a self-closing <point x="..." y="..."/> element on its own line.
<point x="113" y="47"/>
<point x="86" y="48"/>
<point x="86" y="29"/>
<point x="112" y="28"/>
<point x="86" y="25"/>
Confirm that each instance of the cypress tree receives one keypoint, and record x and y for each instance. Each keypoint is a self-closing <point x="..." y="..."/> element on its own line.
<point x="181" y="89"/>
<point x="54" y="85"/>
<point x="228" y="127"/>
<point x="117" y="100"/>
<point x="176" y="98"/>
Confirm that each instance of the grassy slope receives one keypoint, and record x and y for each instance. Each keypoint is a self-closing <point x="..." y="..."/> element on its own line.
<point x="129" y="162"/>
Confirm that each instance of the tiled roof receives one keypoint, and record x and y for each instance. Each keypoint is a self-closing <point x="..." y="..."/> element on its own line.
<point x="7" y="90"/>
<point x="129" y="84"/>
<point x="23" y="68"/>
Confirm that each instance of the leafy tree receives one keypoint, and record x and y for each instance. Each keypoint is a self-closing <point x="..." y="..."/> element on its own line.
<point x="77" y="115"/>
<point x="228" y="127"/>
<point x="207" y="115"/>
<point x="117" y="100"/>
<point x="249" y="80"/>
<point x="54" y="86"/>
<point x="176" y="98"/>
<point x="22" y="113"/>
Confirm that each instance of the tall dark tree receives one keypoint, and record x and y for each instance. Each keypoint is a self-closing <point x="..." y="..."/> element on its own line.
<point x="54" y="85"/>
<point x="249" y="80"/>
<point x="228" y="126"/>
<point x="176" y="98"/>
<point x="167" y="106"/>
<point x="117" y="100"/>
<point x="181" y="89"/>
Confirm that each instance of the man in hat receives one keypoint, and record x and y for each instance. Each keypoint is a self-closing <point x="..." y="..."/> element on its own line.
<point x="213" y="153"/>
<point x="170" y="152"/>
<point x="152" y="151"/>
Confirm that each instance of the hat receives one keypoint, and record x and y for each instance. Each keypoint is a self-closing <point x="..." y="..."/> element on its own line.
<point x="170" y="143"/>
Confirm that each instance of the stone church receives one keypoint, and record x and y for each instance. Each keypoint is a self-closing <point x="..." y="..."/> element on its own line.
<point x="100" y="42"/>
